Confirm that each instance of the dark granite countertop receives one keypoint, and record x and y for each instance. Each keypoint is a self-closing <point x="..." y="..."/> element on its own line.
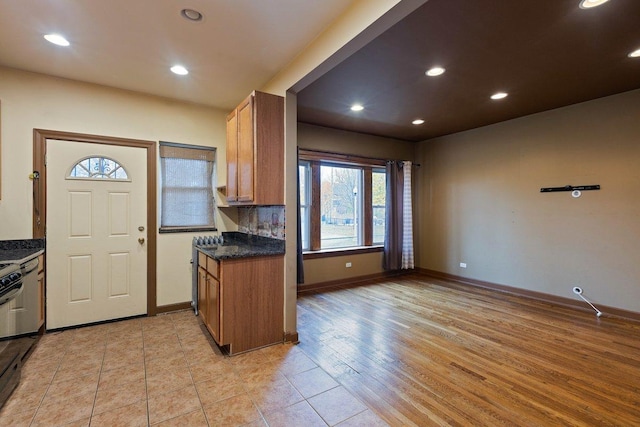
<point x="18" y="251"/>
<point x="241" y="245"/>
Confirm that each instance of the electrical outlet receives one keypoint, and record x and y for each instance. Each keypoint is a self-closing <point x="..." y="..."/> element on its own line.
<point x="463" y="264"/>
<point x="348" y="265"/>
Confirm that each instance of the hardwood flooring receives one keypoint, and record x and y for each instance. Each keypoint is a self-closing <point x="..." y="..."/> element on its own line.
<point x="422" y="351"/>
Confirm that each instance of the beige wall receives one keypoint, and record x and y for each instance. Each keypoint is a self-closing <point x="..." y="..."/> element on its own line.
<point x="322" y="270"/>
<point x="319" y="138"/>
<point x="478" y="201"/>
<point x="35" y="101"/>
<point x="339" y="141"/>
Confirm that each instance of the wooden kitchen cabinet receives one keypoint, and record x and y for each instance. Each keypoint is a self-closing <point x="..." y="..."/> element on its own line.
<point x="244" y="301"/>
<point x="213" y="298"/>
<point x="255" y="151"/>
<point x="202" y="286"/>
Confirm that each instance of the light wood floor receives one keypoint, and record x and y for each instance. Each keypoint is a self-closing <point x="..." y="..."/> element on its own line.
<point x="422" y="351"/>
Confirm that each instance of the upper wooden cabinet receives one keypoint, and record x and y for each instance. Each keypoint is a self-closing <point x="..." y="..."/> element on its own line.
<point x="255" y="151"/>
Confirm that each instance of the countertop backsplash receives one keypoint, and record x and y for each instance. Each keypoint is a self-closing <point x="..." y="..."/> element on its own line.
<point x="265" y="221"/>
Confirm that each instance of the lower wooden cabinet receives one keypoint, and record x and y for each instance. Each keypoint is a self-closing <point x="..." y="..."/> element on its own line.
<point x="202" y="293"/>
<point x="241" y="300"/>
<point x="213" y="307"/>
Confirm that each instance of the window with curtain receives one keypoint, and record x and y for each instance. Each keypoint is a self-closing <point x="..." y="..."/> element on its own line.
<point x="342" y="201"/>
<point x="187" y="181"/>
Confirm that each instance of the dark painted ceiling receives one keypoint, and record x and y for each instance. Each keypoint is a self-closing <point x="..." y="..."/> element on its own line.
<point x="546" y="54"/>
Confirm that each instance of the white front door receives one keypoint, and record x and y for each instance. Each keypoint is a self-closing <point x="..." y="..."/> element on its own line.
<point x="95" y="234"/>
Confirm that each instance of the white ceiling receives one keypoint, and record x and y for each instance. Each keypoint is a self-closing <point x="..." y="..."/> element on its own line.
<point x="130" y="44"/>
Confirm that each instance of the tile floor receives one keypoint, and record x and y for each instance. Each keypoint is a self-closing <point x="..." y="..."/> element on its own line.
<point x="164" y="371"/>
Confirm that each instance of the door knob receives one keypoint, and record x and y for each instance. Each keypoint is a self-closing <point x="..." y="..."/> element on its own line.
<point x="141" y="240"/>
<point x="141" y="228"/>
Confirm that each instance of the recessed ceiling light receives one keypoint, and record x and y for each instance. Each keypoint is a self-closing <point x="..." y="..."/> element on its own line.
<point x="56" y="39"/>
<point x="357" y="107"/>
<point x="588" y="4"/>
<point x="180" y="70"/>
<point x="191" y="15"/>
<point x="634" y="54"/>
<point x="435" y="71"/>
<point x="499" y="95"/>
<point x="418" y="122"/>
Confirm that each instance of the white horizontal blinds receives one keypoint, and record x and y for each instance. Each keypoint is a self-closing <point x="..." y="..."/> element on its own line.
<point x="187" y="153"/>
<point x="187" y="186"/>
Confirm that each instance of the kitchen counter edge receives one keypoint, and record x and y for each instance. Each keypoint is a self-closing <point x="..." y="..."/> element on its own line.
<point x="240" y="245"/>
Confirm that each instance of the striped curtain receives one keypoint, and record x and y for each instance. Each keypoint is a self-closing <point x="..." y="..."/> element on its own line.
<point x="398" y="242"/>
<point x="407" y="219"/>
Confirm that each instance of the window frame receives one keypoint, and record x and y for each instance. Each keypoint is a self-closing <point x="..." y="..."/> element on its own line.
<point x="305" y="203"/>
<point x="358" y="221"/>
<point x="174" y="150"/>
<point x="315" y="159"/>
<point x="100" y="175"/>
<point x="373" y="171"/>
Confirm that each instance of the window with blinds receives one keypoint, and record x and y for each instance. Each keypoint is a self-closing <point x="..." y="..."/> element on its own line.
<point x="187" y="180"/>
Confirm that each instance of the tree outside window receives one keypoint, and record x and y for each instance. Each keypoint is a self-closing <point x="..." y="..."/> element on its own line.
<point x="340" y="196"/>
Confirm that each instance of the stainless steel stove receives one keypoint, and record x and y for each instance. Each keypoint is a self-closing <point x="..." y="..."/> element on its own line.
<point x="10" y="282"/>
<point x="18" y="319"/>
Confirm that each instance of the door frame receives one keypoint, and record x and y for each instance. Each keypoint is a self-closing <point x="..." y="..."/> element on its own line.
<point x="40" y="137"/>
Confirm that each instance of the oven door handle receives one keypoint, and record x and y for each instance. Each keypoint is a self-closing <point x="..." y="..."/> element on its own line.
<point x="29" y="266"/>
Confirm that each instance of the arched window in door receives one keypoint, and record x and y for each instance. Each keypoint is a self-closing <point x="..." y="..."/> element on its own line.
<point x="98" y="168"/>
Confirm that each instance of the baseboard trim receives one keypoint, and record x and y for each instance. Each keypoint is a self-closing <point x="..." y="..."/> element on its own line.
<point x="173" y="307"/>
<point x="291" y="337"/>
<point x="540" y="296"/>
<point x="351" y="281"/>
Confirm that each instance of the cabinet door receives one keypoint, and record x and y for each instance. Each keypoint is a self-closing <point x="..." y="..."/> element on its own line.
<point x="202" y="294"/>
<point x="213" y="307"/>
<point x="245" y="150"/>
<point x="232" y="156"/>
<point x="252" y="302"/>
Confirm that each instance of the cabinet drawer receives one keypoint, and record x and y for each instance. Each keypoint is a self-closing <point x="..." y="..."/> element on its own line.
<point x="202" y="260"/>
<point x="213" y="267"/>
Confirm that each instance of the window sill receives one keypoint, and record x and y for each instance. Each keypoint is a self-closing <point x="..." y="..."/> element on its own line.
<point x="163" y="230"/>
<point x="327" y="253"/>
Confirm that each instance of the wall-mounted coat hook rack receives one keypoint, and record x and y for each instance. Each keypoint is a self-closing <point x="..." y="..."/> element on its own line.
<point x="569" y="188"/>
